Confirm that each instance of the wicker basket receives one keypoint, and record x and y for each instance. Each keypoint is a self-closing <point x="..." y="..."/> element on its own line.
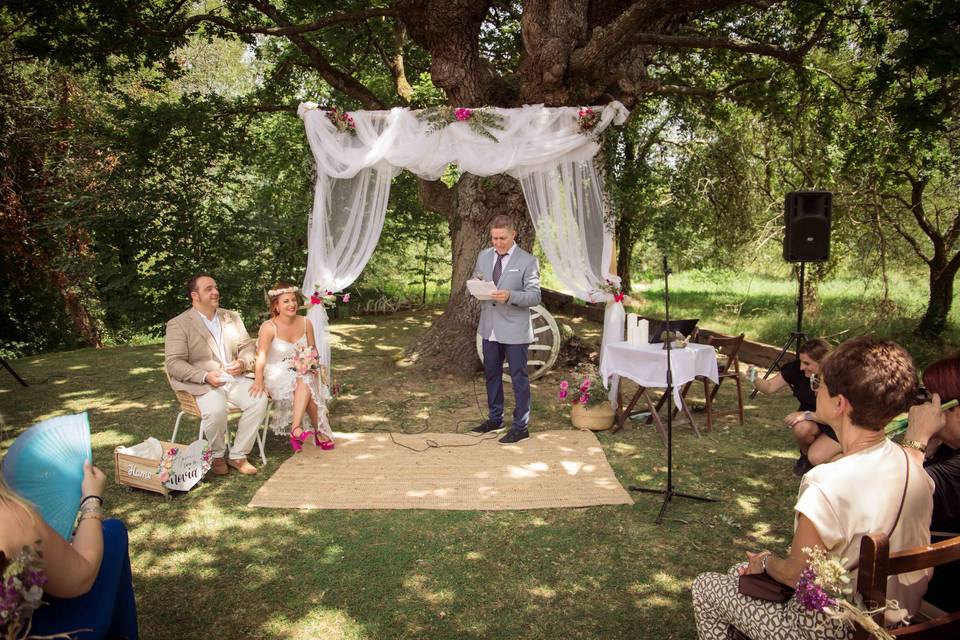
<point x="598" y="417"/>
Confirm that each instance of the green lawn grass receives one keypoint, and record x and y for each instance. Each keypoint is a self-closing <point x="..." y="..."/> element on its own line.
<point x="207" y="565"/>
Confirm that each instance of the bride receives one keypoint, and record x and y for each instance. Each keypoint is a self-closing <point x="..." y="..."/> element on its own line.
<point x="294" y="394"/>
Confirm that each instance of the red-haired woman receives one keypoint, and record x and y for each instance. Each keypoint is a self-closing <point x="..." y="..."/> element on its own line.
<point x="295" y="393"/>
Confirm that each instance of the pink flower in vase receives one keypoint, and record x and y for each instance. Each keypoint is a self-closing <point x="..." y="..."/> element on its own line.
<point x="584" y="398"/>
<point x="462" y="114"/>
<point x="564" y="385"/>
<point x="585" y="385"/>
<point x="346" y="298"/>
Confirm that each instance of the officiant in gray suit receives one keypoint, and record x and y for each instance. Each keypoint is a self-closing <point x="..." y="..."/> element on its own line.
<point x="505" y="325"/>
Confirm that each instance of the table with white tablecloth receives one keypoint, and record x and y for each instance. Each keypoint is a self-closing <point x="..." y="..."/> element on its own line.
<point x="646" y="365"/>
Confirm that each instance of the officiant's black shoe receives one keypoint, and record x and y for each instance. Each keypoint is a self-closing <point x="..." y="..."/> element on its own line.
<point x="515" y="435"/>
<point x="487" y="427"/>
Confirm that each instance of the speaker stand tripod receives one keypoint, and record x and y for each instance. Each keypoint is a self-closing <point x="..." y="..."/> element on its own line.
<point x="796" y="339"/>
<point x="668" y="491"/>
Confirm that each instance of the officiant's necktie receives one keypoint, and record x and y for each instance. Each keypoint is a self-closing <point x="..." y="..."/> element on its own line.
<point x="498" y="268"/>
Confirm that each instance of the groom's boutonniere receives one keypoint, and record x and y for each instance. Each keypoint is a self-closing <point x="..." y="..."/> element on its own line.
<point x="227" y="316"/>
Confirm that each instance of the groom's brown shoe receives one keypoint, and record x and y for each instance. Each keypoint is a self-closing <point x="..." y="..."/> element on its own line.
<point x="219" y="467"/>
<point x="241" y="465"/>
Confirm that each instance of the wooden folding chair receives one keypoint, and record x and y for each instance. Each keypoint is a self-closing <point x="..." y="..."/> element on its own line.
<point x="188" y="406"/>
<point x="877" y="564"/>
<point x="728" y="367"/>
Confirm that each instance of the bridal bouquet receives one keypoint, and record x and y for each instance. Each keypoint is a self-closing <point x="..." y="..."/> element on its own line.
<point x="20" y="592"/>
<point x="306" y="359"/>
<point x="825" y="585"/>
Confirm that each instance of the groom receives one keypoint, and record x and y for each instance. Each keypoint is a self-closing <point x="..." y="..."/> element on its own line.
<point x="207" y="350"/>
<point x="505" y="325"/>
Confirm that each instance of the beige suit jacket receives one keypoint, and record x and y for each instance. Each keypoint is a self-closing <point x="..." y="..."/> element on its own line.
<point x="190" y="351"/>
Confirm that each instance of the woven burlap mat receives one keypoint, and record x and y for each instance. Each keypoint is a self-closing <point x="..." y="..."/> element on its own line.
<point x="551" y="469"/>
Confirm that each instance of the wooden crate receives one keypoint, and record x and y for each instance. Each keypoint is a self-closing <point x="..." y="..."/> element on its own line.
<point x="140" y="473"/>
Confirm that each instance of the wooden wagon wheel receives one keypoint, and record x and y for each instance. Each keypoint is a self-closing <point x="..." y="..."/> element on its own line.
<point x="542" y="352"/>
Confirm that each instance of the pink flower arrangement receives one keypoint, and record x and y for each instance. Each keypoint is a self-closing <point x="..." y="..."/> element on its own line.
<point x="342" y="120"/>
<point x="590" y="391"/>
<point x="587" y="119"/>
<point x="327" y="298"/>
<point x="462" y="114"/>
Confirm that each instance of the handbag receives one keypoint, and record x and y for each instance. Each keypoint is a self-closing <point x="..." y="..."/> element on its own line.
<point x="764" y="587"/>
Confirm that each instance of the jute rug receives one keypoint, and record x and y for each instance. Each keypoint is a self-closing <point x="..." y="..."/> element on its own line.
<point x="551" y="469"/>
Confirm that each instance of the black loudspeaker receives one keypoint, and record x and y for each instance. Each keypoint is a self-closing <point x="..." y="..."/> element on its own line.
<point x="806" y="216"/>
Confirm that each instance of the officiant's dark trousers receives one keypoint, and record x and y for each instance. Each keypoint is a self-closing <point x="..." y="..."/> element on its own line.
<point x="516" y="355"/>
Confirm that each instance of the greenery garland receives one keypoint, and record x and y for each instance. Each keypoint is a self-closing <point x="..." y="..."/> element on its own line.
<point x="480" y="121"/>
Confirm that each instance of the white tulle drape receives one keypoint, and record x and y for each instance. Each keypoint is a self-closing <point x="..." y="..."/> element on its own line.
<point x="541" y="146"/>
<point x="566" y="207"/>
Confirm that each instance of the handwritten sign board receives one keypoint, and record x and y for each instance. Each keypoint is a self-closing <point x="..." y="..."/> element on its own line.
<point x="181" y="467"/>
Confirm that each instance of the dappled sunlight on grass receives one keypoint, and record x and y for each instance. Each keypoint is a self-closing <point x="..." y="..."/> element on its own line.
<point x="419" y="585"/>
<point x="599" y="572"/>
<point x="318" y="622"/>
<point x="747" y="505"/>
<point x="763" y="533"/>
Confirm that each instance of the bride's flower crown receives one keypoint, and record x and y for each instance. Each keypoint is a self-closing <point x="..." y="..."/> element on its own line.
<point x="279" y="292"/>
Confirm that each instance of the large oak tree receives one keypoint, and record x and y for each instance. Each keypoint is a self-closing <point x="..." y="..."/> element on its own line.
<point x="479" y="52"/>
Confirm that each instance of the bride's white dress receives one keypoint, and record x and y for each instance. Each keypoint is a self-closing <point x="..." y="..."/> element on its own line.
<point x="280" y="381"/>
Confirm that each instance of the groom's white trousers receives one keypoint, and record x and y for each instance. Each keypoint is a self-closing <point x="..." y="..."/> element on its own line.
<point x="214" y="406"/>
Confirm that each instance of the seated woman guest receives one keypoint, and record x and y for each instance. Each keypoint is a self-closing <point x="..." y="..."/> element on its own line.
<point x="88" y="583"/>
<point x="817" y="440"/>
<point x="873" y="487"/>
<point x="933" y="438"/>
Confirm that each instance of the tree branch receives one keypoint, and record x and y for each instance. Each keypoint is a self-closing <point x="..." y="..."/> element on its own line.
<point x="705" y="42"/>
<point x="609" y="42"/>
<point x="394" y="63"/>
<point x="287" y="29"/>
<point x="335" y="77"/>
<point x="654" y="86"/>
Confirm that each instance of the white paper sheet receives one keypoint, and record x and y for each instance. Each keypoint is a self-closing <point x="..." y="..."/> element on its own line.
<point x="481" y="289"/>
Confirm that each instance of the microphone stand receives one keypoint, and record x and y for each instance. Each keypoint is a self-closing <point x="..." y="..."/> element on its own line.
<point x="668" y="492"/>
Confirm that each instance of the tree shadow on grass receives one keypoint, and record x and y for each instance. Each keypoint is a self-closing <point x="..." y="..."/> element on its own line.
<point x="206" y="564"/>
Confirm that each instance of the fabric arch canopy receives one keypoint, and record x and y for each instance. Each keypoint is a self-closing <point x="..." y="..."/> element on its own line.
<point x="550" y="150"/>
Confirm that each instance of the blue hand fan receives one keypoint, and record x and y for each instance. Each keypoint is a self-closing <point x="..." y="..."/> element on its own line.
<point x="45" y="466"/>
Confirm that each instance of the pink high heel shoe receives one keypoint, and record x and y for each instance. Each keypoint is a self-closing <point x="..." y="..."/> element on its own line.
<point x="296" y="442"/>
<point x="326" y="445"/>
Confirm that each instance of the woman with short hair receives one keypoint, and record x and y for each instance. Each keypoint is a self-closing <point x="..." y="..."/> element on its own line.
<point x="863" y="384"/>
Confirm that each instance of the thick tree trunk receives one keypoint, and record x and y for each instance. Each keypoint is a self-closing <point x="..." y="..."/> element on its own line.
<point x="942" y="276"/>
<point x="450" y="343"/>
